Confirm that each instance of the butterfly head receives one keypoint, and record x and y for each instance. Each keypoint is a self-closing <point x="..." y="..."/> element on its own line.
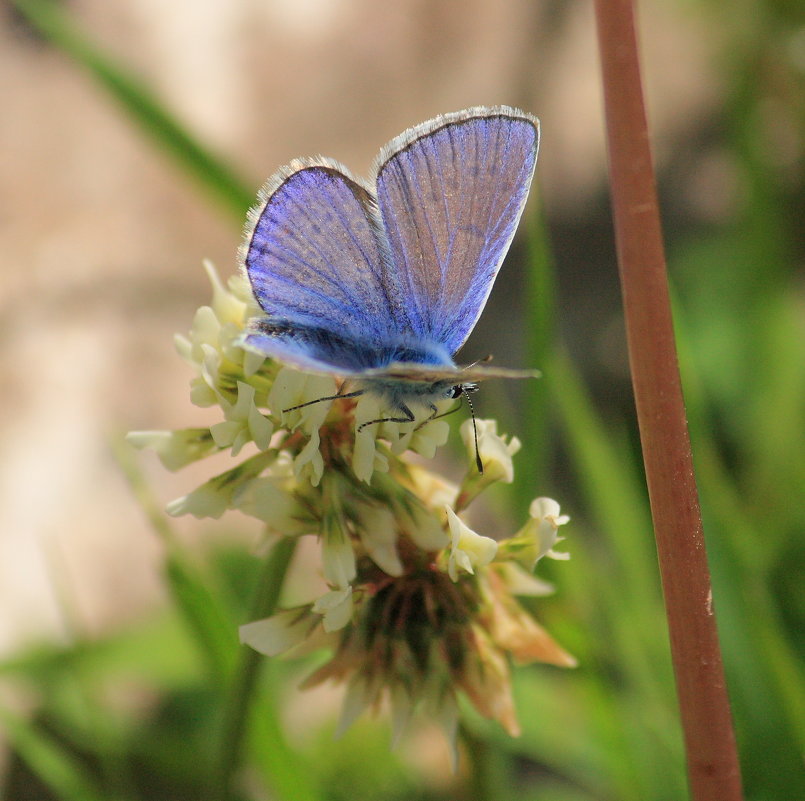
<point x="457" y="390"/>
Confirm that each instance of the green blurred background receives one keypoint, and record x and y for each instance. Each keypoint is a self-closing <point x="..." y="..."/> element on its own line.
<point x="133" y="137"/>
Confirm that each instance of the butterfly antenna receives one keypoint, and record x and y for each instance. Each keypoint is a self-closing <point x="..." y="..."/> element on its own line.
<point x="485" y="360"/>
<point x="478" y="461"/>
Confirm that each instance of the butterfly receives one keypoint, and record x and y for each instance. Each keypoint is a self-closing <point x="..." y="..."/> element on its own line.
<point x="379" y="283"/>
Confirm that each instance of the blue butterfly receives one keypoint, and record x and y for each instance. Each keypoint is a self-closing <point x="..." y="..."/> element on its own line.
<point x="380" y="283"/>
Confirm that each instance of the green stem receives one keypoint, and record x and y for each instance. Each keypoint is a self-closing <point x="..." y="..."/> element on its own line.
<point x="237" y="705"/>
<point x="484" y="780"/>
<point x="534" y="430"/>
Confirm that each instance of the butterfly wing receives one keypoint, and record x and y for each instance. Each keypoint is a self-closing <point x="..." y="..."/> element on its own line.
<point x="309" y="347"/>
<point x="450" y="193"/>
<point x="312" y="255"/>
<point x="428" y="374"/>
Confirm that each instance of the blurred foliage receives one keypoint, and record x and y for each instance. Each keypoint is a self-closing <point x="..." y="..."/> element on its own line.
<point x="147" y="713"/>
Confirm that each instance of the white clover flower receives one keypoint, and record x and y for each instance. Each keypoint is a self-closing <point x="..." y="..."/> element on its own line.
<point x="378" y="533"/>
<point x="308" y="466"/>
<point x="388" y="558"/>
<point x="292" y="388"/>
<point x="213" y="345"/>
<point x="208" y="500"/>
<point x="217" y="495"/>
<point x="495" y="453"/>
<point x="366" y="458"/>
<point x="423" y="527"/>
<point x="227" y="305"/>
<point x="244" y="423"/>
<point x="420" y="435"/>
<point x="240" y="288"/>
<point x="545" y="513"/>
<point x="538" y="536"/>
<point x="266" y="499"/>
<point x="205" y="330"/>
<point x="276" y="634"/>
<point x="336" y="608"/>
<point x="432" y="489"/>
<point x="468" y="550"/>
<point x="337" y="553"/>
<point x="175" y="448"/>
<point x="521" y="582"/>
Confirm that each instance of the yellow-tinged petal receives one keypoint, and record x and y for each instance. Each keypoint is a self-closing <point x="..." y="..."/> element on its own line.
<point x="538" y="536"/>
<point x="468" y="550"/>
<point x="292" y="388"/>
<point x="495" y="452"/>
<point x="226" y="306"/>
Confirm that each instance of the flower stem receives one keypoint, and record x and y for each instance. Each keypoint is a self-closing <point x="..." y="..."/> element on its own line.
<point x="237" y="705"/>
<point x="713" y="770"/>
<point x="484" y="779"/>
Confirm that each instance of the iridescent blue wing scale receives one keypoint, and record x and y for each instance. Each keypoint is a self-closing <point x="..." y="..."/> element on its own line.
<point x="451" y="192"/>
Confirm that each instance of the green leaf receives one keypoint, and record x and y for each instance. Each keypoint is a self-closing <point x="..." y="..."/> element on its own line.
<point x="68" y="779"/>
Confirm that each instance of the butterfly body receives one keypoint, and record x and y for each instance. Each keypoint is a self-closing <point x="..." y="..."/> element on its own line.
<point x="380" y="283"/>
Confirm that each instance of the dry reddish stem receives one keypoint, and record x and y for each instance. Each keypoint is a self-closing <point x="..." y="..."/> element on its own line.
<point x="713" y="769"/>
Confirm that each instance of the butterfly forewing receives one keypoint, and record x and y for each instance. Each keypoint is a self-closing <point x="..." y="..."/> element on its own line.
<point x="312" y="254"/>
<point x="451" y="193"/>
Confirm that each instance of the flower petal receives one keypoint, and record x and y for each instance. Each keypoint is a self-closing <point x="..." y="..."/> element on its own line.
<point x="336" y="607"/>
<point x="468" y="549"/>
<point x="276" y="634"/>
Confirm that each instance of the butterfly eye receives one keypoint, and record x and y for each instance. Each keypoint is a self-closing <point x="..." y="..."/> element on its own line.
<point x="455" y="392"/>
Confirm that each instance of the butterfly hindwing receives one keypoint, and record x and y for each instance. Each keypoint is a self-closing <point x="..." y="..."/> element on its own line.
<point x="450" y="193"/>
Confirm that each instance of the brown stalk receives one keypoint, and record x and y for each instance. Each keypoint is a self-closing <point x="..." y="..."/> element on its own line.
<point x="713" y="770"/>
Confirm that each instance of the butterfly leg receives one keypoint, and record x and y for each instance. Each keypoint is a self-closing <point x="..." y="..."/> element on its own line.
<point x="409" y="418"/>
<point x="328" y="398"/>
<point x="436" y="416"/>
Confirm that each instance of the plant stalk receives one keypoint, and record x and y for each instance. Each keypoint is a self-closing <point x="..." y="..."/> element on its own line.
<point x="237" y="705"/>
<point x="713" y="769"/>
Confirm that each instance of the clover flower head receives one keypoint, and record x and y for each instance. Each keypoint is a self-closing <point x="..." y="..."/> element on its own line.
<point x="419" y="608"/>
